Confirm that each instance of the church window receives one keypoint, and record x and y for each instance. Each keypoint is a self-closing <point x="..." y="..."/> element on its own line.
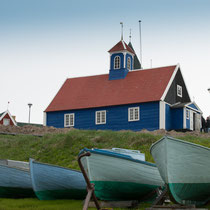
<point x="117" y="62"/>
<point x="129" y="63"/>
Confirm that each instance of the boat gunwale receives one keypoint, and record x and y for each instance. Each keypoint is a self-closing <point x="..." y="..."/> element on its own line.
<point x="14" y="167"/>
<point x="179" y="140"/>
<point x="117" y="155"/>
<point x="31" y="160"/>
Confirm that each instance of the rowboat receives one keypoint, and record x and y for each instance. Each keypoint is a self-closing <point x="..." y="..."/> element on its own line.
<point x="118" y="176"/>
<point x="15" y="181"/>
<point x="52" y="182"/>
<point x="185" y="168"/>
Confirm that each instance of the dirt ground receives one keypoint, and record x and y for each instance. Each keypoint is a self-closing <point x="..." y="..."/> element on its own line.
<point x="34" y="130"/>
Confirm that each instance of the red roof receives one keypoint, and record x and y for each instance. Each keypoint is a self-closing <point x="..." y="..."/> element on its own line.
<point x="121" y="45"/>
<point x="98" y="91"/>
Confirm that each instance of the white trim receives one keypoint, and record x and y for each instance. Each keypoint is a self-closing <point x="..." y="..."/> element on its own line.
<point x="7" y="112"/>
<point x="170" y="82"/>
<point x="44" y="119"/>
<point x="187" y="112"/>
<point x="122" y="51"/>
<point x="124" y="54"/>
<point x="133" y="108"/>
<point x="162" y="115"/>
<point x="100" y="117"/>
<point x="184" y="118"/>
<point x="69" y="125"/>
<point x="124" y="45"/>
<point x="188" y="105"/>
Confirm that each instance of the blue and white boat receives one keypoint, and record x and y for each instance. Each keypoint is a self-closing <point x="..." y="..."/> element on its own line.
<point x="15" y="181"/>
<point x="52" y="182"/>
<point x="119" y="176"/>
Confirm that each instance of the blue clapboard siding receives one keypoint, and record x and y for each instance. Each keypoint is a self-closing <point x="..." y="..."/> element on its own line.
<point x="188" y="121"/>
<point x="193" y="106"/>
<point x="116" y="118"/>
<point x="168" y="117"/>
<point x="177" y="118"/>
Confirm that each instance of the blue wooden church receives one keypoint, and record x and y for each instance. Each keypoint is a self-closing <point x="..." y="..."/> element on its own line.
<point x="127" y="98"/>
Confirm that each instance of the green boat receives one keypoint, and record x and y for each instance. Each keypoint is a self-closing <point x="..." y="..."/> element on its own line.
<point x="185" y="168"/>
<point x="119" y="176"/>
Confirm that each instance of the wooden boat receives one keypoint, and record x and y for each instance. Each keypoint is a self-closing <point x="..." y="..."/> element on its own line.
<point x="15" y="181"/>
<point x="185" y="168"/>
<point x="52" y="182"/>
<point x="118" y="176"/>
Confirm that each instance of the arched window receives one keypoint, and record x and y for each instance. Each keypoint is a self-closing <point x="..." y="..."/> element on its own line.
<point x="117" y="62"/>
<point x="129" y="63"/>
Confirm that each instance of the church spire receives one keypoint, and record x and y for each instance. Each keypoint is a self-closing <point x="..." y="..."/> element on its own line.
<point x="121" y="30"/>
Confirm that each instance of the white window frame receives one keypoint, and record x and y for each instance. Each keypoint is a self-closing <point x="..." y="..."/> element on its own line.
<point x="129" y="63"/>
<point x="132" y="114"/>
<point x="71" y="119"/>
<point x="187" y="114"/>
<point x="117" y="62"/>
<point x="179" y="91"/>
<point x="100" y="120"/>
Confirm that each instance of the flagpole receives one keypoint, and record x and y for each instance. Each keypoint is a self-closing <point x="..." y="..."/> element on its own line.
<point x="140" y="43"/>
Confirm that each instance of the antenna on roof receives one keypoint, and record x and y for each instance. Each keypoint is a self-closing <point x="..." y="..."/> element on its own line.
<point x="121" y="30"/>
<point x="130" y="36"/>
<point x="140" y="42"/>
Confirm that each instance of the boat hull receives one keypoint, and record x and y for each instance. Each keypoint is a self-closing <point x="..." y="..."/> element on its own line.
<point x="15" y="183"/>
<point x="52" y="182"/>
<point x="118" y="178"/>
<point x="185" y="168"/>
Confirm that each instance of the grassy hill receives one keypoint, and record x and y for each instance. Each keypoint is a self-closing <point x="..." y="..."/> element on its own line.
<point x="62" y="149"/>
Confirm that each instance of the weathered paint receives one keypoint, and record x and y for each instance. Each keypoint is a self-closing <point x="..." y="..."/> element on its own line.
<point x="15" y="182"/>
<point x="116" y="118"/>
<point x="185" y="167"/>
<point x="54" y="182"/>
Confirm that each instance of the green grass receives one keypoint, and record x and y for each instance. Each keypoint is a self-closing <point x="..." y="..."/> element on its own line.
<point x="35" y="204"/>
<point x="62" y="149"/>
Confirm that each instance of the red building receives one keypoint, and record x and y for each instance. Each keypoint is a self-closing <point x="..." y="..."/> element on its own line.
<point x="7" y="119"/>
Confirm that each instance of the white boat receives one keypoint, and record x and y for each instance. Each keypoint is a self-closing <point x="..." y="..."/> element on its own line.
<point x="118" y="176"/>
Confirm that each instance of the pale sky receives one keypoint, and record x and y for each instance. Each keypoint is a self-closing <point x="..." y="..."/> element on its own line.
<point x="44" y="42"/>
